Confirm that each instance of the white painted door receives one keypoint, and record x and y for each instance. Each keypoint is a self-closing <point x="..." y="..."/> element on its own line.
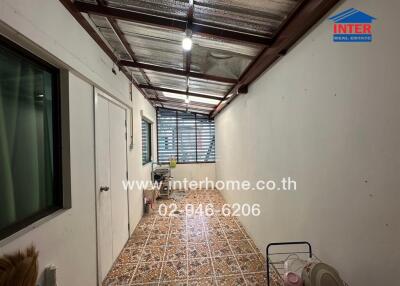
<point x="111" y="170"/>
<point x="118" y="166"/>
<point x="103" y="196"/>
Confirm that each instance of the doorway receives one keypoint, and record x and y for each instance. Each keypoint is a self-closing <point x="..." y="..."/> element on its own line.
<point x="111" y="169"/>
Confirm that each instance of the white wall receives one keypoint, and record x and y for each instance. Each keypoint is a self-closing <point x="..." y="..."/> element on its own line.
<point x="193" y="172"/>
<point x="68" y="239"/>
<point x="328" y="115"/>
<point x="139" y="172"/>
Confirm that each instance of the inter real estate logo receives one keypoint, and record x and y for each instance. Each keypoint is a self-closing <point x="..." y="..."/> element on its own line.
<point x="352" y="25"/>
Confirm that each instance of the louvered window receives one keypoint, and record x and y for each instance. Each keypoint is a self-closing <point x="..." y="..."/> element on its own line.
<point x="167" y="135"/>
<point x="205" y="139"/>
<point x="184" y="136"/>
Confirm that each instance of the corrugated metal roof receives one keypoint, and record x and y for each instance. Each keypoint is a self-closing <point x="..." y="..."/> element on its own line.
<point x="259" y="17"/>
<point x="193" y="99"/>
<point x="106" y="31"/>
<point x="154" y="45"/>
<point x="167" y="8"/>
<point x="138" y="76"/>
<point x="165" y="80"/>
<point x="213" y="56"/>
<point x="208" y="87"/>
<point x="221" y="58"/>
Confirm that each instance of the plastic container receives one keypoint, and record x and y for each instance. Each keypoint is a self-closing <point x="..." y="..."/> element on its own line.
<point x="295" y="265"/>
<point x="292" y="279"/>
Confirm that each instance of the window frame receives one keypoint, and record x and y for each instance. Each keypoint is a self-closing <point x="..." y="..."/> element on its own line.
<point x="60" y="195"/>
<point x="177" y="138"/>
<point x="150" y="139"/>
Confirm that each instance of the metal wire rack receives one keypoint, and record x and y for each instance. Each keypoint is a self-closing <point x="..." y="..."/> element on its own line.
<point x="277" y="253"/>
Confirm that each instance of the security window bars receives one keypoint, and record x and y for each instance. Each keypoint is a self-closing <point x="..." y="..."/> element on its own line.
<point x="186" y="137"/>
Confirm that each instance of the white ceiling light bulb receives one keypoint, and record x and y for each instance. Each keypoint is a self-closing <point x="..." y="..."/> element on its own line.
<point x="187" y="44"/>
<point x="187" y="100"/>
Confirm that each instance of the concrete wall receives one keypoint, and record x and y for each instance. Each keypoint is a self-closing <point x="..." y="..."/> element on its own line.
<point x="68" y="238"/>
<point x="327" y="115"/>
<point x="193" y="172"/>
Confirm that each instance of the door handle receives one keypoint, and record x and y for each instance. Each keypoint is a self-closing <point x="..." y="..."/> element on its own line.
<point x="104" y="189"/>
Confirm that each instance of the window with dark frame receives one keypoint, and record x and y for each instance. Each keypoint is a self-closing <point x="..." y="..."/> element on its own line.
<point x="146" y="142"/>
<point x="184" y="136"/>
<point x="30" y="139"/>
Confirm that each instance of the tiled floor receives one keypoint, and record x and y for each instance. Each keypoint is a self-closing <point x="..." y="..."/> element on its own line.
<point x="189" y="250"/>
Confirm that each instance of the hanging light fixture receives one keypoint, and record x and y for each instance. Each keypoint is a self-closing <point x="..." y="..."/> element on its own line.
<point x="187" y="44"/>
<point x="187" y="100"/>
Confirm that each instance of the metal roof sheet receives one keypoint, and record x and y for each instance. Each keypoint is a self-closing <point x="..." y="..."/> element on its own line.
<point x="259" y="17"/>
<point x="220" y="59"/>
<point x="154" y="45"/>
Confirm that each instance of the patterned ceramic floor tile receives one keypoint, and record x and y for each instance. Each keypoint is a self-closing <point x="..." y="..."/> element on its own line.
<point x="174" y="270"/>
<point x="141" y="231"/>
<point x="198" y="250"/>
<point x="129" y="255"/>
<point x="195" y="228"/>
<point x="215" y="235"/>
<point x="228" y="223"/>
<point x="153" y="253"/>
<point x="201" y="267"/>
<point x="196" y="237"/>
<point x="174" y="283"/>
<point x="178" y="227"/>
<point x="176" y="252"/>
<point x="225" y="265"/>
<point x="234" y="234"/>
<point x="177" y="238"/>
<point x="241" y="247"/>
<point x="121" y="274"/>
<point x="211" y="220"/>
<point x="160" y="229"/>
<point x="189" y="250"/>
<point x="236" y="280"/>
<point x="220" y="248"/>
<point x="157" y="239"/>
<point x="250" y="263"/>
<point x="256" y="279"/>
<point x="211" y="226"/>
<point x="162" y="220"/>
<point x="136" y="241"/>
<point x="202" y="282"/>
<point x="147" y="272"/>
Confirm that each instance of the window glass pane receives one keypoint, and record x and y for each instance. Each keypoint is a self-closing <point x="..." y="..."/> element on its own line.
<point x="186" y="137"/>
<point x="27" y="165"/>
<point x="146" y="142"/>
